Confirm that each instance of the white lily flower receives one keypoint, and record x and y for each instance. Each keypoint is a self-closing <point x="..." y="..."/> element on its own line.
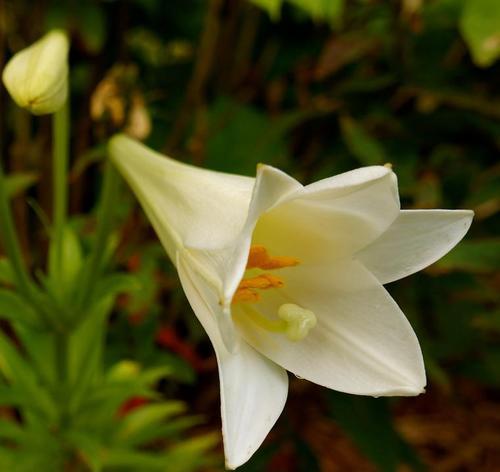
<point x="289" y="277"/>
<point x="37" y="77"/>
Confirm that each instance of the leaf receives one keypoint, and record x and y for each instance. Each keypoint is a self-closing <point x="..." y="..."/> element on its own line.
<point x="89" y="448"/>
<point x="6" y="273"/>
<point x="10" y="396"/>
<point x="368" y="422"/>
<point x="480" y="27"/>
<point x="18" y="183"/>
<point x="39" y="345"/>
<point x="319" y="10"/>
<point x="241" y="136"/>
<point x="473" y="256"/>
<point x="272" y="7"/>
<point x="114" y="284"/>
<point x="322" y="10"/>
<point x="366" y="149"/>
<point x="63" y="279"/>
<point x="127" y="458"/>
<point x="189" y="454"/>
<point x="14" y="308"/>
<point x="86" y="347"/>
<point x="19" y="373"/>
<point x="11" y="430"/>
<point x="144" y="419"/>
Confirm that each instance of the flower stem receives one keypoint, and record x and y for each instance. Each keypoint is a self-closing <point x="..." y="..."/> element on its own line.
<point x="60" y="136"/>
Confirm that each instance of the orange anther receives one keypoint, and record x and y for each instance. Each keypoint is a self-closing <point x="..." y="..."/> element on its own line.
<point x="245" y="295"/>
<point x="259" y="258"/>
<point x="262" y="281"/>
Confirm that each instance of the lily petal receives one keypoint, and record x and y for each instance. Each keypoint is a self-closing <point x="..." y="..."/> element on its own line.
<point x="223" y="267"/>
<point x="362" y="344"/>
<point x="253" y="388"/>
<point x="186" y="204"/>
<point x="415" y="240"/>
<point x="333" y="218"/>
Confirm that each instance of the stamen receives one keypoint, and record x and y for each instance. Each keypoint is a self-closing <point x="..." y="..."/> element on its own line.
<point x="259" y="258"/>
<point x="262" y="281"/>
<point x="246" y="295"/>
<point x="246" y="289"/>
<point x="299" y="321"/>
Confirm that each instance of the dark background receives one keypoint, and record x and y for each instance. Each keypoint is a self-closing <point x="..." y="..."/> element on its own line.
<point x="315" y="88"/>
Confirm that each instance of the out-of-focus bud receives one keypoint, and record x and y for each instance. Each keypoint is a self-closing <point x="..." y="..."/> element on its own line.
<point x="37" y="77"/>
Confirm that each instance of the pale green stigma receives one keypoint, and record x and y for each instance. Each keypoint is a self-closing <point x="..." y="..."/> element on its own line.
<point x="299" y="321"/>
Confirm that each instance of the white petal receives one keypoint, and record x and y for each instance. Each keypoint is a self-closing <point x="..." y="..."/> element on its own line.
<point x="253" y="395"/>
<point x="186" y="205"/>
<point x="362" y="344"/>
<point x="253" y="388"/>
<point x="223" y="267"/>
<point x="332" y="218"/>
<point x="416" y="239"/>
<point x="272" y="187"/>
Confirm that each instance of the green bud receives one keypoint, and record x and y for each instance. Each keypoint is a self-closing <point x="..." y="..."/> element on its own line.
<point x="37" y="77"/>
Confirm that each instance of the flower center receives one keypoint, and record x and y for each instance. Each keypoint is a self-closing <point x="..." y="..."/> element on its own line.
<point x="259" y="258"/>
<point x="292" y="320"/>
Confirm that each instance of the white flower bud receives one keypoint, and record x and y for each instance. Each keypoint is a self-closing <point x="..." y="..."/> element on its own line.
<point x="37" y="77"/>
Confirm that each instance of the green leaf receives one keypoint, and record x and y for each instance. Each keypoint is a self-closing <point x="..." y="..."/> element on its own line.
<point x="18" y="183"/>
<point x="71" y="262"/>
<point x="39" y="345"/>
<point x="241" y="137"/>
<point x="368" y="422"/>
<point x="89" y="447"/>
<point x="189" y="454"/>
<point x="114" y="284"/>
<point x="480" y="27"/>
<point x="366" y="149"/>
<point x="11" y="430"/>
<point x="86" y="349"/>
<point x="6" y="274"/>
<point x="124" y="458"/>
<point x="20" y="374"/>
<point x="472" y="256"/>
<point x="144" y="419"/>
<point x="272" y="7"/>
<point x="15" y="308"/>
<point x="319" y="10"/>
<point x="10" y="396"/>
<point x="322" y="10"/>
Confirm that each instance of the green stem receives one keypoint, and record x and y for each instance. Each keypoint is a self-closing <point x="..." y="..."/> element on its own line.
<point x="104" y="227"/>
<point x="10" y="241"/>
<point x="60" y="137"/>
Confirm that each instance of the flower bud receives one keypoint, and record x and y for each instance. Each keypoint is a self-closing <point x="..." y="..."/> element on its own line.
<point x="37" y="77"/>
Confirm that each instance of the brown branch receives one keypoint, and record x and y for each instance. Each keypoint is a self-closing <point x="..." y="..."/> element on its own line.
<point x="201" y="73"/>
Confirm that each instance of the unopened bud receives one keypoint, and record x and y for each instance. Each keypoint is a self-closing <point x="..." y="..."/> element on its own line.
<point x="37" y="77"/>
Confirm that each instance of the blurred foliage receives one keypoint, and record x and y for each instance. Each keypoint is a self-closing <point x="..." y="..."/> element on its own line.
<point x="315" y="87"/>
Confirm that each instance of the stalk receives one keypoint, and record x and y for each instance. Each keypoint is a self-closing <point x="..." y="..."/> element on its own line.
<point x="60" y="136"/>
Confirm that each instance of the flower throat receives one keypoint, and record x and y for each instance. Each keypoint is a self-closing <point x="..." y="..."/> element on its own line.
<point x="293" y="320"/>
